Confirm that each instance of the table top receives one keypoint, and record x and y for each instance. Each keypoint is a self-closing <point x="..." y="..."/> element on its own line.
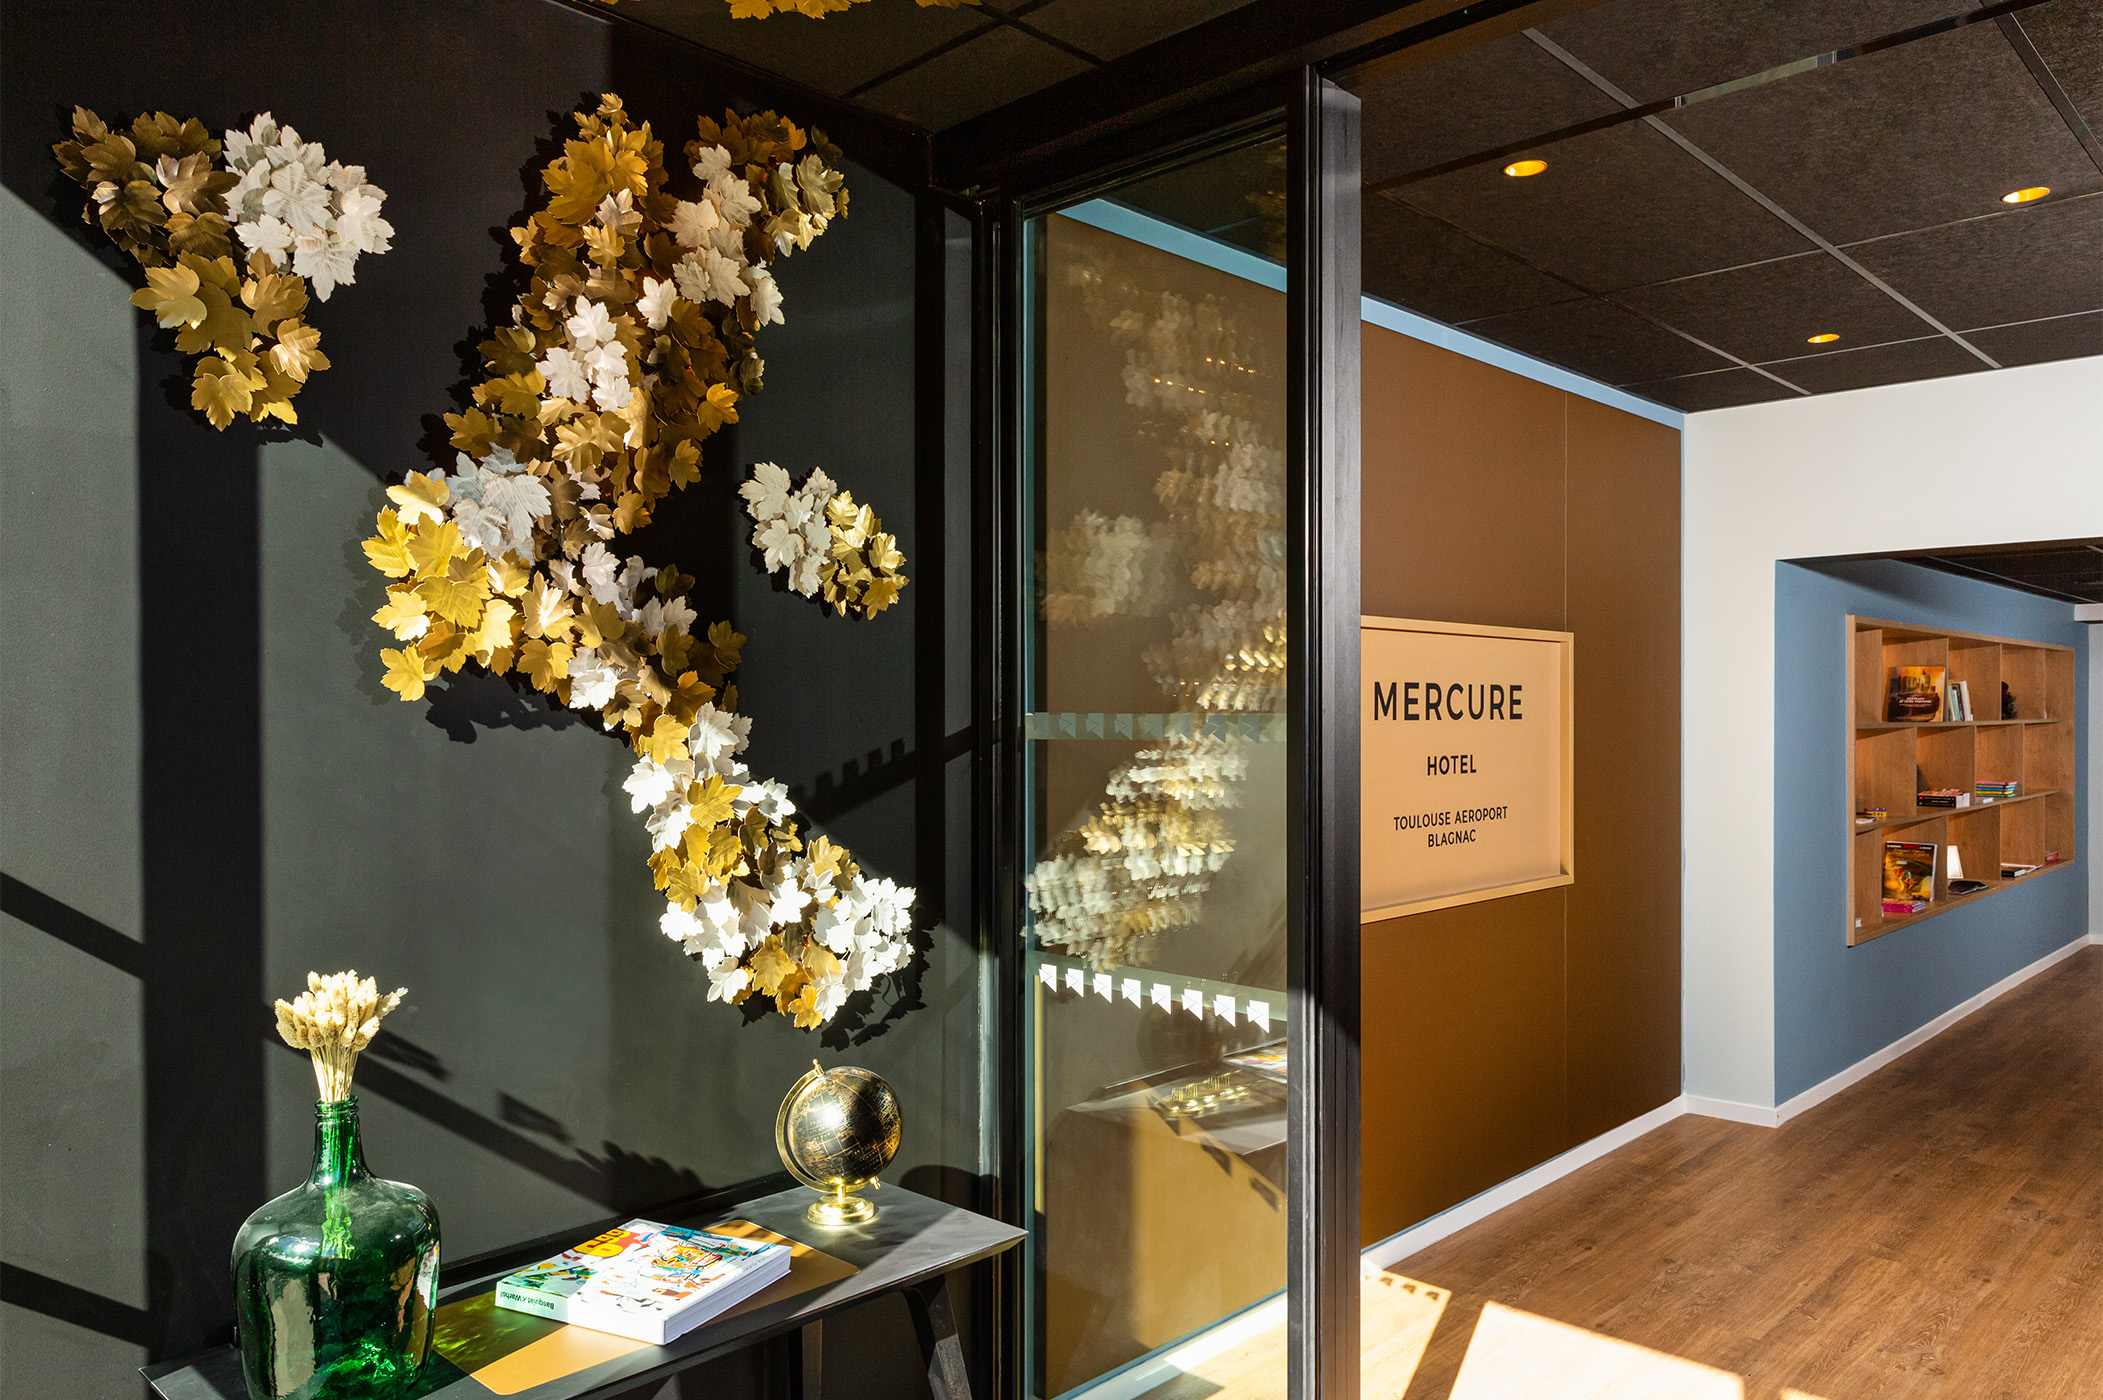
<point x="913" y="1238"/>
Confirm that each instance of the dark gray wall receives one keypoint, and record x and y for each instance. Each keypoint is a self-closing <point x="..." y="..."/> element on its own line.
<point x="207" y="793"/>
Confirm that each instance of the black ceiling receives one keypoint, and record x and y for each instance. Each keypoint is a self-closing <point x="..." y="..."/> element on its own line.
<point x="2069" y="570"/>
<point x="1687" y="255"/>
<point x="1829" y="166"/>
<point x="928" y="66"/>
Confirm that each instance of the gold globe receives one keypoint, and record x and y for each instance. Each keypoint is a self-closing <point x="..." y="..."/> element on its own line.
<point x="836" y="1130"/>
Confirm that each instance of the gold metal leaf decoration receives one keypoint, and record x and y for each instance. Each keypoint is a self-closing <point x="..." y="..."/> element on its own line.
<point x="632" y="344"/>
<point x="231" y="234"/>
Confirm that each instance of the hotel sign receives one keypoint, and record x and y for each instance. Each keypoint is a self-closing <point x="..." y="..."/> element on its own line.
<point x="1465" y="754"/>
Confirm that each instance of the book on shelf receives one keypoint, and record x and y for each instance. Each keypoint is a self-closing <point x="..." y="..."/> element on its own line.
<point x="1916" y="694"/>
<point x="1900" y="908"/>
<point x="1958" y="887"/>
<point x="1909" y="871"/>
<point x="645" y="1281"/>
<point x="1943" y="797"/>
<point x="2010" y="870"/>
<point x="1268" y="1061"/>
<point x="1960" y="697"/>
<point x="1995" y="787"/>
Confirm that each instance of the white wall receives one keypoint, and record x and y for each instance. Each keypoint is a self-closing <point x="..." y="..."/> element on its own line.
<point x="1996" y="457"/>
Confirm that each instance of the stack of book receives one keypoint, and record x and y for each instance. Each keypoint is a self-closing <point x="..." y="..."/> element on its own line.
<point x="1989" y="789"/>
<point x="1900" y="908"/>
<point x="1959" y="708"/>
<point x="1944" y="797"/>
<point x="646" y="1281"/>
<point x="2011" y="870"/>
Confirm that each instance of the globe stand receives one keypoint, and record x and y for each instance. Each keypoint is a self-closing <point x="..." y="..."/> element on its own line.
<point x="836" y="1130"/>
<point x="840" y="1208"/>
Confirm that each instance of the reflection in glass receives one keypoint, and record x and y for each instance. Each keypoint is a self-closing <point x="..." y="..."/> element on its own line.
<point x="1156" y="790"/>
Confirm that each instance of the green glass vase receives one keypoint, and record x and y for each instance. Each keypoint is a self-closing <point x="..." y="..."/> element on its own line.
<point x="335" y="1280"/>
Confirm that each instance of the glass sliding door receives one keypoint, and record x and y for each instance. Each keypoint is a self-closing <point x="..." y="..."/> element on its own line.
<point x="1155" y="673"/>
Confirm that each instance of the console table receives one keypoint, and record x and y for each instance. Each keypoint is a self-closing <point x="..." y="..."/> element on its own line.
<point x="911" y="1247"/>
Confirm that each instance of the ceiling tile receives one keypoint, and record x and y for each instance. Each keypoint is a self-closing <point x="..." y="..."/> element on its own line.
<point x="1929" y="358"/>
<point x="1914" y="136"/>
<point x="1599" y="340"/>
<point x="1766" y="311"/>
<point x="1475" y="100"/>
<point x="1113" y="28"/>
<point x="2053" y="569"/>
<point x="2068" y="35"/>
<point x="833" y="54"/>
<point x="2044" y="259"/>
<point x="2035" y="342"/>
<point x="1616" y="208"/>
<point x="1723" y="388"/>
<point x="1666" y="48"/>
<point x="1430" y="268"/>
<point x="995" y="68"/>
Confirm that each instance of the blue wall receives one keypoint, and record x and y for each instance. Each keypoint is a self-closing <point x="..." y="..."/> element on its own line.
<point x="1834" y="1004"/>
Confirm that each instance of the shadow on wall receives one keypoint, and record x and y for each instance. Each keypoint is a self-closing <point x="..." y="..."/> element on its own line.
<point x="210" y="793"/>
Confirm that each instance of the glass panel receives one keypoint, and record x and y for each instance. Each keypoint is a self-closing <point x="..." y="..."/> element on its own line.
<point x="1156" y="770"/>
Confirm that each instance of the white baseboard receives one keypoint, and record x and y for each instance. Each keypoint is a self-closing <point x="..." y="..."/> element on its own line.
<point x="1400" y="1246"/>
<point x="1863" y="1068"/>
<point x="1759" y="1115"/>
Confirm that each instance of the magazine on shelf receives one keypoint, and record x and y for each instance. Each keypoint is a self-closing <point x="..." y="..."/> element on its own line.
<point x="1916" y="694"/>
<point x="1909" y="871"/>
<point x="645" y="1281"/>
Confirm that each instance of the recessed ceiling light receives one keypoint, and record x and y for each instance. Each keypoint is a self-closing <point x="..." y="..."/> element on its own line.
<point x="1523" y="168"/>
<point x="1822" y="338"/>
<point x="2026" y="194"/>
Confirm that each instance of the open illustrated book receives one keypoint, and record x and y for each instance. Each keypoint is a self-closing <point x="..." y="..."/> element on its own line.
<point x="645" y="1281"/>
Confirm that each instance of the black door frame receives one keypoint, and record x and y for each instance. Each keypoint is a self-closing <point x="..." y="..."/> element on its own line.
<point x="1320" y="122"/>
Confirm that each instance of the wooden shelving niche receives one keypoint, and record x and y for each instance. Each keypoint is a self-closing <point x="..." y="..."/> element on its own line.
<point x="1891" y="762"/>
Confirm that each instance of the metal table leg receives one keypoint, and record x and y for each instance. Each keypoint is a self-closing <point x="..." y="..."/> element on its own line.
<point x="936" y="1324"/>
<point x="807" y="1362"/>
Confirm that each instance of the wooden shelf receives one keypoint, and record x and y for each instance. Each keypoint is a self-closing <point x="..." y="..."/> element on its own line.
<point x="1889" y="761"/>
<point x="1954" y="723"/>
<point x="1922" y="814"/>
<point x="1949" y="902"/>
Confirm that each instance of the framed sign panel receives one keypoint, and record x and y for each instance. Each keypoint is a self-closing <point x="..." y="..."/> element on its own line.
<point x="1465" y="752"/>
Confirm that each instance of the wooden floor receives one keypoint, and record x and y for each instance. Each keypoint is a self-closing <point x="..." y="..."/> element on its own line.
<point x="1933" y="1233"/>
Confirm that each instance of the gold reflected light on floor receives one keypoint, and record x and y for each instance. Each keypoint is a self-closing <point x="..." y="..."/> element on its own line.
<point x="1520" y="169"/>
<point x="2026" y="194"/>
<point x="1396" y="1317"/>
<point x="1512" y="1355"/>
<point x="1517" y="1356"/>
<point x="1822" y="338"/>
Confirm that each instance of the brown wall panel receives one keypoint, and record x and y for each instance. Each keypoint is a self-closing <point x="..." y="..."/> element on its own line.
<point x="1624" y="909"/>
<point x="1499" y="1034"/>
<point x="1461" y="488"/>
<point x="1463" y="1053"/>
